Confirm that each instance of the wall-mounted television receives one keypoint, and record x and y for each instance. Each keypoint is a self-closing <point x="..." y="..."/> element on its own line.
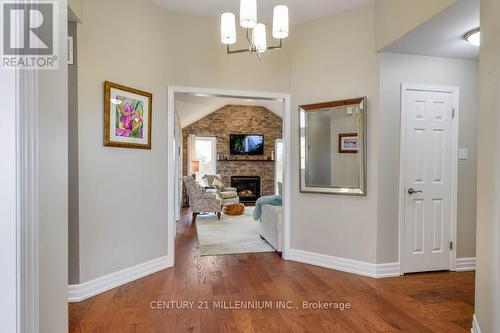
<point x="246" y="144"/>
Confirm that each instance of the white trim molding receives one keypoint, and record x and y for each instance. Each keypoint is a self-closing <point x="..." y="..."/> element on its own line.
<point x="475" y="325"/>
<point x="465" y="264"/>
<point x="19" y="198"/>
<point x="28" y="199"/>
<point x="80" y="292"/>
<point x="345" y="265"/>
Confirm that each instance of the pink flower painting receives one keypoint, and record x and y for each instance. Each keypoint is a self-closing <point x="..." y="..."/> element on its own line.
<point x="129" y="118"/>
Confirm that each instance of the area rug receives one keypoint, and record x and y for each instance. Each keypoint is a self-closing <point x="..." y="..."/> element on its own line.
<point x="230" y="235"/>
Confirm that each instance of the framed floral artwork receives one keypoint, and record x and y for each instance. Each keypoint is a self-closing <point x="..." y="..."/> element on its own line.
<point x="127" y="117"/>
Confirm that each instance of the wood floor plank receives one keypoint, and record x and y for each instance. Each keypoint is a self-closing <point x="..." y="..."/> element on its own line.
<point x="428" y="302"/>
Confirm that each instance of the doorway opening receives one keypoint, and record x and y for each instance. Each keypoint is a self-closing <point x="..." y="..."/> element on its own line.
<point x="219" y="138"/>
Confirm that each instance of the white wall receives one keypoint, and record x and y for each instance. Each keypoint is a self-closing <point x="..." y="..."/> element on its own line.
<point x="327" y="66"/>
<point x="197" y="58"/>
<point x="487" y="305"/>
<point x="181" y="49"/>
<point x="53" y="187"/>
<point x="394" y="70"/>
<point x="123" y="192"/>
<point x="367" y="229"/>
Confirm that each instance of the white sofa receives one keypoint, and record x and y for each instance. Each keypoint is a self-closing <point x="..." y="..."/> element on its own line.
<point x="272" y="226"/>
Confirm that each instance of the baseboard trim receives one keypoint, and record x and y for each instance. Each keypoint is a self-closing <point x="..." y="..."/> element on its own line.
<point x="345" y="265"/>
<point x="475" y="325"/>
<point x="80" y="292"/>
<point x="465" y="264"/>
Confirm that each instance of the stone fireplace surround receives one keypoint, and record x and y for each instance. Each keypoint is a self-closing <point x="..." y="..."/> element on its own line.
<point x="239" y="119"/>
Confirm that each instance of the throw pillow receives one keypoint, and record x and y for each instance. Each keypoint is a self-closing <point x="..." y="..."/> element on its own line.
<point x="217" y="183"/>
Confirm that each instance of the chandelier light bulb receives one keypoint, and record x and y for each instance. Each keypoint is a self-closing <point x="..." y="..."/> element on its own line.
<point x="280" y="22"/>
<point x="228" y="28"/>
<point x="248" y="13"/>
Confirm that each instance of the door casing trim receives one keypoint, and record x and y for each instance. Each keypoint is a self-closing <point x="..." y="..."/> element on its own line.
<point x="287" y="136"/>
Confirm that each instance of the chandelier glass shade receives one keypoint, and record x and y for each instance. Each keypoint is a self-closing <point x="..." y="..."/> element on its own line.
<point x="248" y="13"/>
<point x="256" y="33"/>
<point x="227" y="29"/>
<point x="280" y="22"/>
<point x="259" y="37"/>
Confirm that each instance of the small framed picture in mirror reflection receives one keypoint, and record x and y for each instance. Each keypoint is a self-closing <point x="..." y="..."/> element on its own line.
<point x="348" y="143"/>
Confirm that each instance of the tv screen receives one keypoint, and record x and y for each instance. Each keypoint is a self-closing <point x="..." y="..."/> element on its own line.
<point x="246" y="144"/>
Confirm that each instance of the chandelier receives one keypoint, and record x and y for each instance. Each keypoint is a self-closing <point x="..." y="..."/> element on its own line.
<point x="255" y="32"/>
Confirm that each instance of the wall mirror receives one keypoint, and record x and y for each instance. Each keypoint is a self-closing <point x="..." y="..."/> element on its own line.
<point x="333" y="147"/>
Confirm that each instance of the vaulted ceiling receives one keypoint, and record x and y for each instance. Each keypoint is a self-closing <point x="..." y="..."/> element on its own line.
<point x="191" y="108"/>
<point x="300" y="10"/>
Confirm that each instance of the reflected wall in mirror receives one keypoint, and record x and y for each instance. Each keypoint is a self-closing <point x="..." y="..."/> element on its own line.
<point x="333" y="147"/>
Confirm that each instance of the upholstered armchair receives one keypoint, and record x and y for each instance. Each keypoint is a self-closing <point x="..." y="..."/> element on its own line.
<point x="229" y="195"/>
<point x="200" y="201"/>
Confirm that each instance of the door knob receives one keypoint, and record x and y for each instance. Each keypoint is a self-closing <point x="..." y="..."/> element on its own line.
<point x="411" y="191"/>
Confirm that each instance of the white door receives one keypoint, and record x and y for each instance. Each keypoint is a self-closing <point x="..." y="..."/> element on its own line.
<point x="428" y="174"/>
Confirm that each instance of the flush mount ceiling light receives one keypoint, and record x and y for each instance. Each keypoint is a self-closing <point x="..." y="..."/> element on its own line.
<point x="474" y="37"/>
<point x="255" y="32"/>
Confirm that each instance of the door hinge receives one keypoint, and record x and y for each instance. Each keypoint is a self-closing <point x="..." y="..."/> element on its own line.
<point x="451" y="245"/>
<point x="453" y="113"/>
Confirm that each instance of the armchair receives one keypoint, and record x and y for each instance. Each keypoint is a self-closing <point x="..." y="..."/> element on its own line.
<point x="229" y="195"/>
<point x="200" y="201"/>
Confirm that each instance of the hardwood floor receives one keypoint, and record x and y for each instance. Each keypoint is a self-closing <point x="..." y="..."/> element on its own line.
<point x="430" y="302"/>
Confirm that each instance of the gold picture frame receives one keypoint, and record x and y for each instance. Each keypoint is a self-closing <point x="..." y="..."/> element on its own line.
<point x="127" y="116"/>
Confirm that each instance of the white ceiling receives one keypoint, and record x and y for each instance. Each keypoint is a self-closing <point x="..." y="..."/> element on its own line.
<point x="442" y="35"/>
<point x="191" y="108"/>
<point x="300" y="10"/>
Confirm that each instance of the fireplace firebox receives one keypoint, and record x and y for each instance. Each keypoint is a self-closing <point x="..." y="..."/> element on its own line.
<point x="248" y="187"/>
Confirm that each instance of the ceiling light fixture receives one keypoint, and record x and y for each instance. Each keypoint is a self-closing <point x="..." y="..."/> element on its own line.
<point x="473" y="37"/>
<point x="255" y="32"/>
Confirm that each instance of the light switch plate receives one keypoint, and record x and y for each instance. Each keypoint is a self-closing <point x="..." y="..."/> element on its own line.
<point x="463" y="154"/>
